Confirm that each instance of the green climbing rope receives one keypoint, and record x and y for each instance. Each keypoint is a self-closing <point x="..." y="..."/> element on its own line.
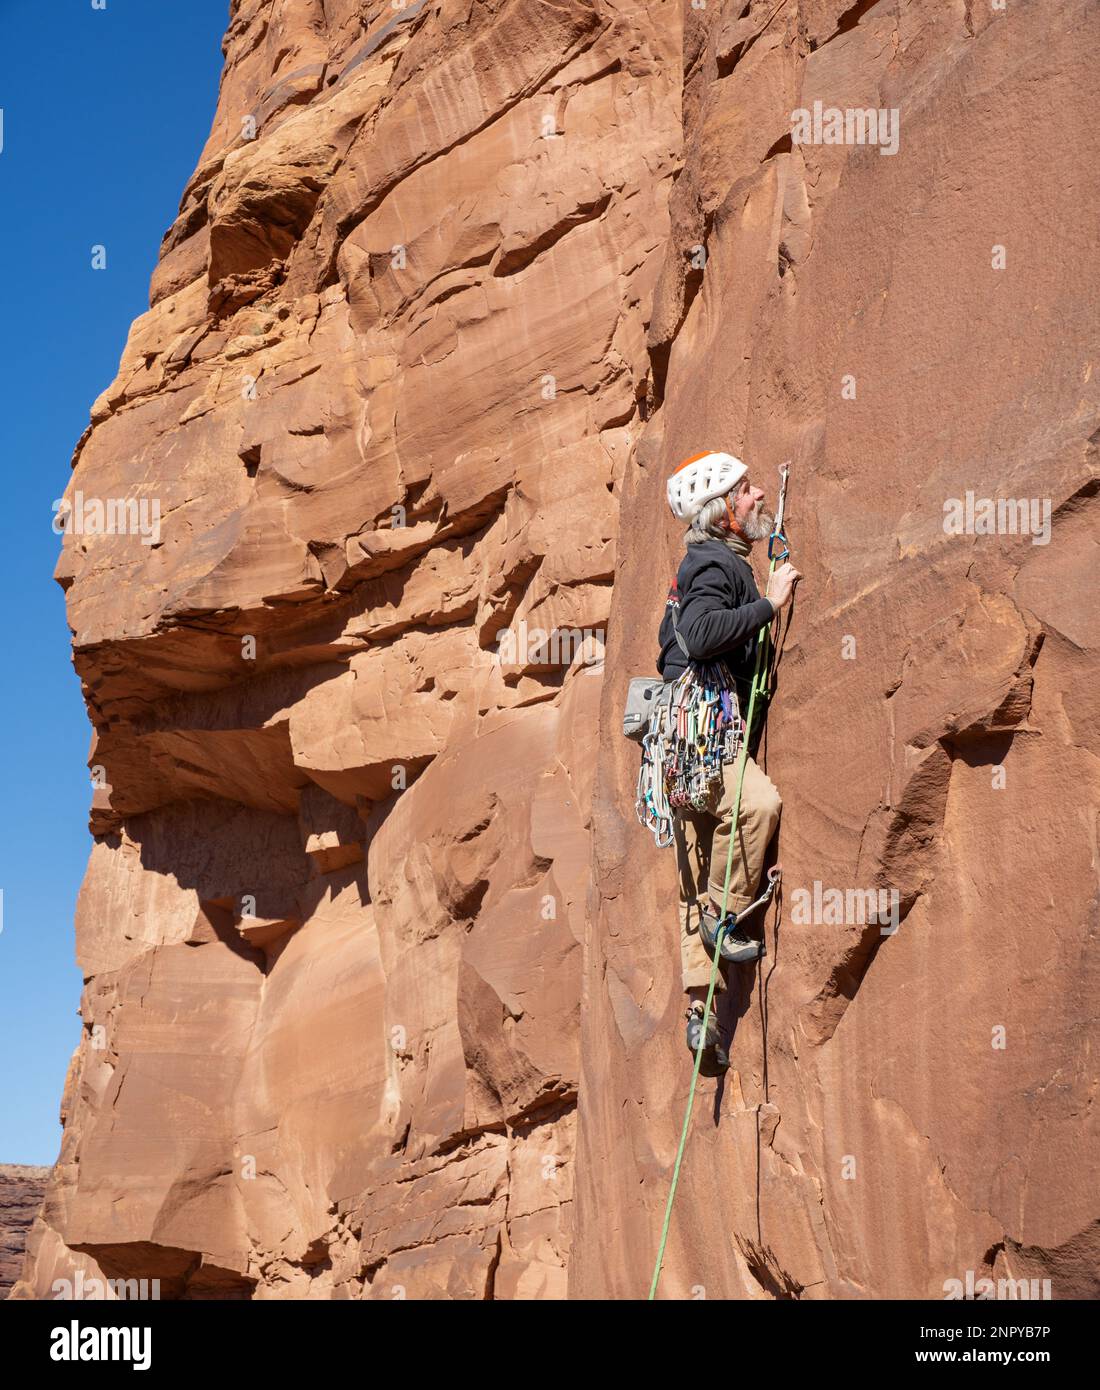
<point x="759" y="681"/>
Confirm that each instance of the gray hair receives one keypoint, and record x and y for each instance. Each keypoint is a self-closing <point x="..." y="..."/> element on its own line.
<point x="708" y="523"/>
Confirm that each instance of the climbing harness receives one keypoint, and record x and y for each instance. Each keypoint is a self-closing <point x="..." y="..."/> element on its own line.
<point x="777" y="542"/>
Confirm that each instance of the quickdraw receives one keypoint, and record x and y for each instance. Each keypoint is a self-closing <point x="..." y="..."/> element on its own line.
<point x="778" y="545"/>
<point x="731" y="919"/>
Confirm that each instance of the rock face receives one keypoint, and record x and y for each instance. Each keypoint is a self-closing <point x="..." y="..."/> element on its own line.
<point x="22" y="1188"/>
<point x="910" y="1106"/>
<point x="383" y="400"/>
<point x="382" y="993"/>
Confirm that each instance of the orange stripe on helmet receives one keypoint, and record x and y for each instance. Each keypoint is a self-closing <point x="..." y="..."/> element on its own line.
<point x="694" y="459"/>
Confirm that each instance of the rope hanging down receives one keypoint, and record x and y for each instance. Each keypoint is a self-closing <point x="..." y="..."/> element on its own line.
<point x="778" y="550"/>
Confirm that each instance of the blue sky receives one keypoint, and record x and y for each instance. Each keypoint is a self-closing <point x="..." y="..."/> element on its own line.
<point x="104" y="114"/>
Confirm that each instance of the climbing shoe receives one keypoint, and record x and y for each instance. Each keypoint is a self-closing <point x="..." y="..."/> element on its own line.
<point x="737" y="946"/>
<point x="715" y="1059"/>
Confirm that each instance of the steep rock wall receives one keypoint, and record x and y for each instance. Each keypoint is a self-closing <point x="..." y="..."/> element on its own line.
<point x="381" y="981"/>
<point x="903" y="1107"/>
<point x="333" y="920"/>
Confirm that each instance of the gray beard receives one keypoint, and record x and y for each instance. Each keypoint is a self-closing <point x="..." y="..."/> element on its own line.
<point x="757" y="526"/>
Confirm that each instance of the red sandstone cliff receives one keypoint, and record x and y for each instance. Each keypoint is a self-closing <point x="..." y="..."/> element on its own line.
<point x="22" y="1187"/>
<point x="381" y="980"/>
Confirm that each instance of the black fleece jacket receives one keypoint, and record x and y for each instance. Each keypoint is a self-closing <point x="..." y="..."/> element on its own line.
<point x="721" y="612"/>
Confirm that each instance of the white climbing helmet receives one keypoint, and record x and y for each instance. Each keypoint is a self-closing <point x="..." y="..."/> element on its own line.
<point x="700" y="479"/>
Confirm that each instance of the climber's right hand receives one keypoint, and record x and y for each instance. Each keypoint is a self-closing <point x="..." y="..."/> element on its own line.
<point x="781" y="585"/>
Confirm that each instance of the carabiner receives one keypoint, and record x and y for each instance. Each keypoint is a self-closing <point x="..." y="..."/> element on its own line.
<point x="778" y="536"/>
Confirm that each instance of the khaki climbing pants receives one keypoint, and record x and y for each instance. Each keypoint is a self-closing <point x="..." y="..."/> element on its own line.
<point x="702" y="842"/>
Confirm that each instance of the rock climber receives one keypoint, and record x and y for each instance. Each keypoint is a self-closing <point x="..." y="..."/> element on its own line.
<point x="717" y="609"/>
